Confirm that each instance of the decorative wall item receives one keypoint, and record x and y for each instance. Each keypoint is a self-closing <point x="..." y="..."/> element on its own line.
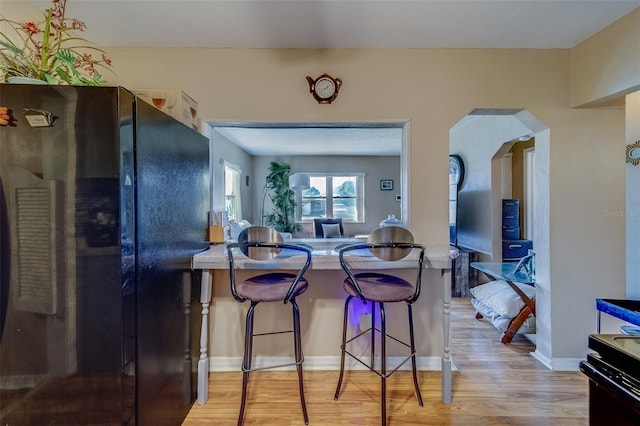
<point x="176" y="103"/>
<point x="386" y="185"/>
<point x="5" y="117"/>
<point x="456" y="170"/>
<point x="324" y="88"/>
<point x="633" y="153"/>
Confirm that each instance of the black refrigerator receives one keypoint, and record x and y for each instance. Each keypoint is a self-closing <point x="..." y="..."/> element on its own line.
<point x="103" y="202"/>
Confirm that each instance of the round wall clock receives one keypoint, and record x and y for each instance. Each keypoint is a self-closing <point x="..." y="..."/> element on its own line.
<point x="324" y="88"/>
<point x="456" y="170"/>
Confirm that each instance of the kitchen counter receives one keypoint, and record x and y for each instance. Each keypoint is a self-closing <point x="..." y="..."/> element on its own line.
<point x="324" y="258"/>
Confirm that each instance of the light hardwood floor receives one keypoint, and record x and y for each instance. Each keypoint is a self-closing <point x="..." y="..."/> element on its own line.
<point x="495" y="384"/>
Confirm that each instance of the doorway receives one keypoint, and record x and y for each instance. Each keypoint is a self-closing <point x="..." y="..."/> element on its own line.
<point x="478" y="138"/>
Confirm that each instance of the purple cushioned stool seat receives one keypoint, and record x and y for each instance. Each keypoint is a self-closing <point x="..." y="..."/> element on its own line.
<point x="270" y="287"/>
<point x="380" y="287"/>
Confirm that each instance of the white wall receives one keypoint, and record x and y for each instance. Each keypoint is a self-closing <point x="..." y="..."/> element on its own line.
<point x="607" y="65"/>
<point x="632" y="209"/>
<point x="378" y="204"/>
<point x="433" y="90"/>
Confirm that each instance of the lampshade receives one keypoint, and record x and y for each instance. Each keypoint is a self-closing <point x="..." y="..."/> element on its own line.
<point x="299" y="182"/>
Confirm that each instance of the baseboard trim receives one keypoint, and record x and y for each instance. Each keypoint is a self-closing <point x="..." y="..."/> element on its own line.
<point x="558" y="364"/>
<point x="431" y="363"/>
<point x="543" y="359"/>
<point x="566" y="364"/>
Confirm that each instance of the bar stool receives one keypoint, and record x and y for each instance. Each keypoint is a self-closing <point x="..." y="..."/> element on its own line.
<point x="260" y="243"/>
<point x="388" y="244"/>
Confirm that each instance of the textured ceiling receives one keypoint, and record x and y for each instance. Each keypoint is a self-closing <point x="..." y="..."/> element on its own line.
<point x="343" y="23"/>
<point x="304" y="140"/>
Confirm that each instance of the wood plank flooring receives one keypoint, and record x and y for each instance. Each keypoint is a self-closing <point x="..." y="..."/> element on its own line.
<point x="495" y="384"/>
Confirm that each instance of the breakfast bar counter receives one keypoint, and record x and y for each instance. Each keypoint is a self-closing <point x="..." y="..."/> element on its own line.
<point x="324" y="257"/>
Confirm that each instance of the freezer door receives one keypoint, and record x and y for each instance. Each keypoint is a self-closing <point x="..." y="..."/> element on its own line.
<point x="172" y="175"/>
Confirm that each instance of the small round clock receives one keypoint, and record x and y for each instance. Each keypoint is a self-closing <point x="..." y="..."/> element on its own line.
<point x="324" y="88"/>
<point x="456" y="170"/>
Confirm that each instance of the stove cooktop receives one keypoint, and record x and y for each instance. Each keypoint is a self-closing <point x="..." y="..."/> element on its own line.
<point x="619" y="350"/>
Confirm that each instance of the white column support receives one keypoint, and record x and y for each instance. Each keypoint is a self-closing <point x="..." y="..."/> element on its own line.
<point x="187" y="367"/>
<point x="446" y="325"/>
<point x="203" y="363"/>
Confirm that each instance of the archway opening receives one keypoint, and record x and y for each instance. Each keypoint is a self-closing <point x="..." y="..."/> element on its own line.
<point x="481" y="139"/>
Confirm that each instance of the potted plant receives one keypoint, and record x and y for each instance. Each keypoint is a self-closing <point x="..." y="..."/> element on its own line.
<point x="284" y="203"/>
<point x="50" y="51"/>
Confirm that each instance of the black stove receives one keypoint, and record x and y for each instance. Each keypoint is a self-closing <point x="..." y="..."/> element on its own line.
<point x="614" y="379"/>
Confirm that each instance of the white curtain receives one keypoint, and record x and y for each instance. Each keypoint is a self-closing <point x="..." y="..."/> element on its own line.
<point x="233" y="194"/>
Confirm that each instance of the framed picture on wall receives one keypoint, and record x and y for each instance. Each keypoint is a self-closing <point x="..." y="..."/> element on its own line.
<point x="386" y="185"/>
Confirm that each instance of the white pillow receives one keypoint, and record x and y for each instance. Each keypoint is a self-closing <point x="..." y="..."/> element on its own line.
<point x="331" y="230"/>
<point x="235" y="228"/>
<point x="501" y="298"/>
<point x="502" y="323"/>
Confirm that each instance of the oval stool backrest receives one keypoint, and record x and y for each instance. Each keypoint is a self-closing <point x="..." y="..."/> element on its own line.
<point x="387" y="235"/>
<point x="259" y="234"/>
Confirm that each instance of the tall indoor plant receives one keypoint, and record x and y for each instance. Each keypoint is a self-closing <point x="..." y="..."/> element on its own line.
<point x="282" y="218"/>
<point x="49" y="50"/>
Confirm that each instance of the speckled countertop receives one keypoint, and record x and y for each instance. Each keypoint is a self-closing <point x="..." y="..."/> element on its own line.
<point x="324" y="256"/>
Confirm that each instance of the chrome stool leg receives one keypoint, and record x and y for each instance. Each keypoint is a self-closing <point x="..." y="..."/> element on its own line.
<point x="343" y="347"/>
<point x="382" y="372"/>
<point x="373" y="336"/>
<point x="389" y="244"/>
<point x="297" y="341"/>
<point x="383" y="365"/>
<point x="413" y="356"/>
<point x="246" y="360"/>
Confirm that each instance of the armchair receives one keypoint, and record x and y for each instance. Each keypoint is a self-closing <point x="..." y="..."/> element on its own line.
<point x="318" y="229"/>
